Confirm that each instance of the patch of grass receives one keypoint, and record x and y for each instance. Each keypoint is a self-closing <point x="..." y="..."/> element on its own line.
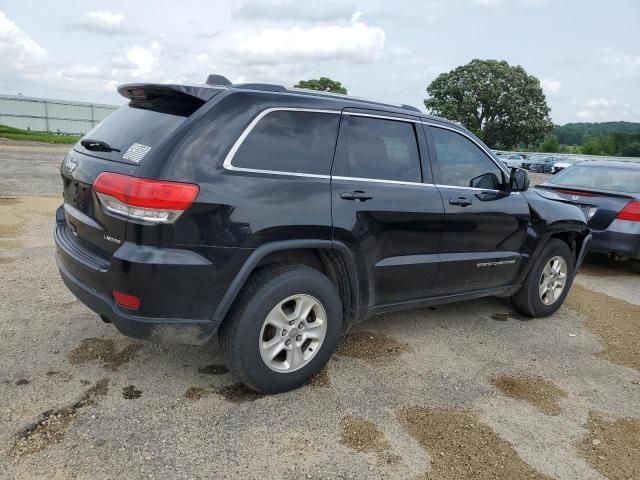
<point x="28" y="135"/>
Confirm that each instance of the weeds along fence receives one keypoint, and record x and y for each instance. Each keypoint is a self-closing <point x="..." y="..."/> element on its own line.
<point x="53" y="116"/>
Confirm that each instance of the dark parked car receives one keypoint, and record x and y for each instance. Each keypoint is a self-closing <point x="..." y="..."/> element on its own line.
<point x="609" y="195"/>
<point x="540" y="164"/>
<point x="280" y="218"/>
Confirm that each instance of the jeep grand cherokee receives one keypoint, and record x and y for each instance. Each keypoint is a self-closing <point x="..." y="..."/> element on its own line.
<point x="278" y="218"/>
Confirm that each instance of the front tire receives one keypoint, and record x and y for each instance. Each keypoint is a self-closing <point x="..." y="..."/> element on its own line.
<point x="548" y="283"/>
<point x="283" y="329"/>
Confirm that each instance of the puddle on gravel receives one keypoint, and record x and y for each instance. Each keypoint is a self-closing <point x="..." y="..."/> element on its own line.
<point x="461" y="447"/>
<point x="238" y="393"/>
<point x="612" y="447"/>
<point x="614" y="321"/>
<point x="363" y="435"/>
<point x="213" y="369"/>
<point x="131" y="392"/>
<point x="320" y="379"/>
<point x="104" y="350"/>
<point x="50" y="427"/>
<point x="196" y="393"/>
<point x="372" y="347"/>
<point x="22" y="381"/>
<point x="533" y="389"/>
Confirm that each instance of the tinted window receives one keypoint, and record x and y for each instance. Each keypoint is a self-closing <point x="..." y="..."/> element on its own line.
<point x="301" y="142"/>
<point x="463" y="164"/>
<point x="380" y="149"/>
<point x="615" y="179"/>
<point x="127" y="126"/>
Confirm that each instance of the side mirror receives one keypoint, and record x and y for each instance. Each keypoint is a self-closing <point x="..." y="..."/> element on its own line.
<point x="519" y="180"/>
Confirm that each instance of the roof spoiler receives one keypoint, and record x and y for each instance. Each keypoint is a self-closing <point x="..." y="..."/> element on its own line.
<point x="180" y="100"/>
<point x="137" y="90"/>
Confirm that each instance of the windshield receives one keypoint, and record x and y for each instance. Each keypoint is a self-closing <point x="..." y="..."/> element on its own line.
<point x="599" y="178"/>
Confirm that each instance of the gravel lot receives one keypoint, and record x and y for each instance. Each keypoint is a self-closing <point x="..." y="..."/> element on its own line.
<point x="468" y="390"/>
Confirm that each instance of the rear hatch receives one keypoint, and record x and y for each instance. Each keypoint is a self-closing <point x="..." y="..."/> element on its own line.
<point x="130" y="137"/>
<point x="601" y="193"/>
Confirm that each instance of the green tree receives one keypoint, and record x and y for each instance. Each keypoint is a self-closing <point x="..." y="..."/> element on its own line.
<point x="501" y="104"/>
<point x="550" y="144"/>
<point x="631" y="150"/>
<point x="323" y="84"/>
<point x="599" y="145"/>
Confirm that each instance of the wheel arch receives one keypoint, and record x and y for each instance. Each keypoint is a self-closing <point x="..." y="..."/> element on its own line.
<point x="333" y="259"/>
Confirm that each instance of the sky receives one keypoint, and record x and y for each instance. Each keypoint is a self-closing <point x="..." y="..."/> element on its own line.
<point x="585" y="53"/>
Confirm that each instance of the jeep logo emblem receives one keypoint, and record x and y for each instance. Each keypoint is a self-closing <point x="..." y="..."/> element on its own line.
<point x="70" y="165"/>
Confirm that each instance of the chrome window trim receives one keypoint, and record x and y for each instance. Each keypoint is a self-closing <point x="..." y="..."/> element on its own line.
<point x="468" y="188"/>
<point x="228" y="165"/>
<point x="381" y="117"/>
<point x="475" y="188"/>
<point x="479" y="145"/>
<point x="381" y="180"/>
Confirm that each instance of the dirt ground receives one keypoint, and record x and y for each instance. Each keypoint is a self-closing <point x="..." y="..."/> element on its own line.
<point x="467" y="390"/>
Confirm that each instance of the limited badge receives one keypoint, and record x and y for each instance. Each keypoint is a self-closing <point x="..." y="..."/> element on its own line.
<point x="136" y="152"/>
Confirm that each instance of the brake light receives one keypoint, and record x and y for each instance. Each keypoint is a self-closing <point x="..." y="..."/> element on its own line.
<point x="157" y="201"/>
<point x="126" y="300"/>
<point x="630" y="212"/>
<point x="576" y="192"/>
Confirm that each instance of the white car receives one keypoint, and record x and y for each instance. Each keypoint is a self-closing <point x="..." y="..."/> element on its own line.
<point x="514" y="160"/>
<point x="564" y="164"/>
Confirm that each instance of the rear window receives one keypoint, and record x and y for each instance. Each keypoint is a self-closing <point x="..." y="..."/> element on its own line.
<point x="599" y="178"/>
<point x="133" y="131"/>
<point x="290" y="141"/>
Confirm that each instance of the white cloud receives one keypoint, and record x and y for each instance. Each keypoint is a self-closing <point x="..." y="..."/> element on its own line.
<point x="287" y="10"/>
<point x="102" y="21"/>
<point x="550" y="86"/>
<point x="18" y="51"/>
<point x="487" y="3"/>
<point x="599" y="103"/>
<point x="585" y="114"/>
<point x="357" y="42"/>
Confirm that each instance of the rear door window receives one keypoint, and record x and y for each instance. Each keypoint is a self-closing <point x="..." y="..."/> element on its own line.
<point x="135" y="132"/>
<point x="290" y="141"/>
<point x="380" y="149"/>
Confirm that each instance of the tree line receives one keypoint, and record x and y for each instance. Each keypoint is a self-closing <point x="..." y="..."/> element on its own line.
<point x="506" y="107"/>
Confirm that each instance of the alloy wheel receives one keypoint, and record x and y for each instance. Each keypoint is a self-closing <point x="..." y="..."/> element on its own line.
<point x="292" y="333"/>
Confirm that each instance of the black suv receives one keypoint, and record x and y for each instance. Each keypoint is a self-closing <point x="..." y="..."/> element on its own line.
<point x="278" y="218"/>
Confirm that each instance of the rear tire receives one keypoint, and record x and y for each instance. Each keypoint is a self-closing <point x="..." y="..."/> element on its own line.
<point x="541" y="294"/>
<point x="261" y="346"/>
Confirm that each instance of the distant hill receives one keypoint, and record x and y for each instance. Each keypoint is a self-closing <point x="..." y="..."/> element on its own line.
<point x="575" y="133"/>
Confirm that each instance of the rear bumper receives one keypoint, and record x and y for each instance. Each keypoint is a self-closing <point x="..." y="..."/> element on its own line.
<point x="178" y="283"/>
<point x="621" y="238"/>
<point x="157" y="330"/>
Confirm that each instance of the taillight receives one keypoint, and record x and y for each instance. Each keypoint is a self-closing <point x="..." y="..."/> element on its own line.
<point x="126" y="300"/>
<point x="630" y="212"/>
<point x="157" y="201"/>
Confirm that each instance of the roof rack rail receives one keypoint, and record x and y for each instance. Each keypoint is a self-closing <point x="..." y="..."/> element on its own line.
<point x="410" y="107"/>
<point x="267" y="87"/>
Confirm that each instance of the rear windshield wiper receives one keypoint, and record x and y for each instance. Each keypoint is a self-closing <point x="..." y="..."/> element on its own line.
<point x="97" y="145"/>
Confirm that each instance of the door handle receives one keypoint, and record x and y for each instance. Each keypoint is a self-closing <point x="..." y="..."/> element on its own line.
<point x="357" y="195"/>
<point x="460" y="202"/>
